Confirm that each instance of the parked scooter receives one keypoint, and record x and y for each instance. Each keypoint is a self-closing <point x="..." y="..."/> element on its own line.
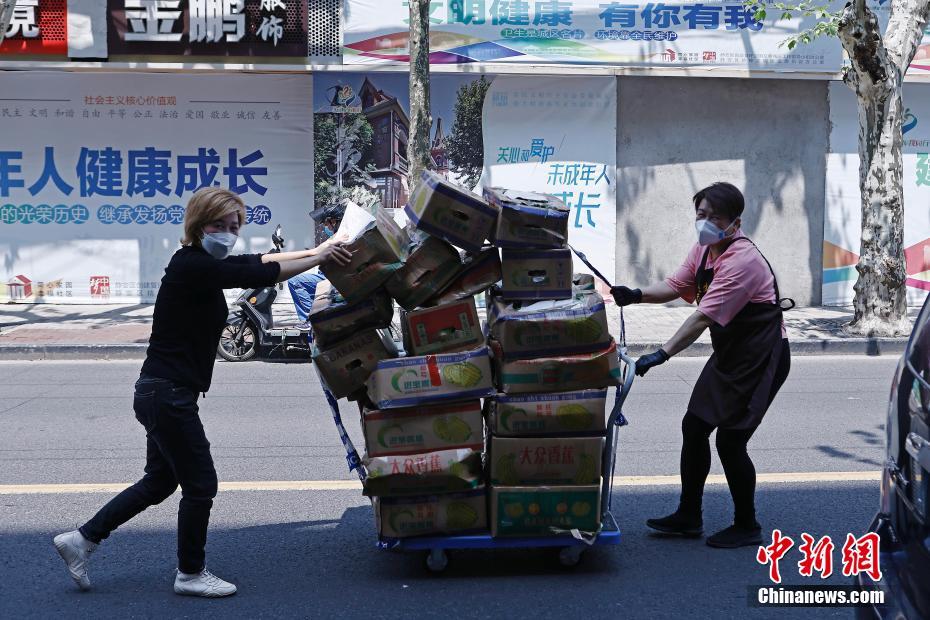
<point x="250" y="331"/>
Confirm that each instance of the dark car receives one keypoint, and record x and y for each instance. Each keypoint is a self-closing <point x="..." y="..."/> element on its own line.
<point x="902" y="521"/>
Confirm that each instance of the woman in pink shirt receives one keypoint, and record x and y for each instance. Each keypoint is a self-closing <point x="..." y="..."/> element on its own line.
<point x="737" y="299"/>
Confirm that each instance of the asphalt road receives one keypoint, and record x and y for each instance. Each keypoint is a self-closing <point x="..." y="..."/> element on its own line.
<point x="310" y="552"/>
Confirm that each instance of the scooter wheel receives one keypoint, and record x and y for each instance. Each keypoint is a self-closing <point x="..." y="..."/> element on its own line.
<point x="241" y="348"/>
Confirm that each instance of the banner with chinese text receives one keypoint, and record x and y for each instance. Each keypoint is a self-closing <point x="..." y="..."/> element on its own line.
<point x="208" y="27"/>
<point x="711" y="33"/>
<point x="843" y="217"/>
<point x="558" y="135"/>
<point x="37" y="27"/>
<point x="96" y="170"/>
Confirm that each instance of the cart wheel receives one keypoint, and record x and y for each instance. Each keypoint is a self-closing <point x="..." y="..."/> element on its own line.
<point x="437" y="560"/>
<point x="570" y="556"/>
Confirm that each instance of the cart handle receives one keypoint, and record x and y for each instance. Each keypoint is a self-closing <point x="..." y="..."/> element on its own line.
<point x="616" y="419"/>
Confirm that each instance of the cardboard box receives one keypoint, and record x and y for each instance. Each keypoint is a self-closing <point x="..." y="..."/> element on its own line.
<point x="411" y="381"/>
<point x="528" y="219"/>
<point x="477" y="273"/>
<point x="443" y="471"/>
<point x="424" y="429"/>
<point x="524" y="461"/>
<point x="544" y="511"/>
<point x="556" y="374"/>
<point x="552" y="327"/>
<point x="547" y="414"/>
<point x="429" y="267"/>
<point x="452" y="513"/>
<point x="346" y="366"/>
<point x="377" y="252"/>
<point x="536" y="274"/>
<point x="442" y="329"/>
<point x="445" y="210"/>
<point x="334" y="319"/>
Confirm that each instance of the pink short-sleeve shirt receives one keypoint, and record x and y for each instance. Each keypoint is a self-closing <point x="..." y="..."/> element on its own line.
<point x="741" y="275"/>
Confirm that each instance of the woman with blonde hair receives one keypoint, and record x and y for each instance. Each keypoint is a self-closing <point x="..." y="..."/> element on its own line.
<point x="189" y="315"/>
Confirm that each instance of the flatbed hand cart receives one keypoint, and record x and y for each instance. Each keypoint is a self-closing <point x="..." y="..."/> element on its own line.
<point x="572" y="544"/>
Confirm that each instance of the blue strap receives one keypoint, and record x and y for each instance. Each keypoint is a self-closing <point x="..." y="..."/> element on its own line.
<point x="352" y="458"/>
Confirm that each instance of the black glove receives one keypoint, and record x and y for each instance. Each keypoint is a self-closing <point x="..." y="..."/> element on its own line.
<point x="625" y="296"/>
<point x="644" y="363"/>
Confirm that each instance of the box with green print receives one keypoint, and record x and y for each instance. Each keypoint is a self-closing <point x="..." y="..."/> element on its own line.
<point x="423" y="429"/>
<point x="449" y="513"/>
<point x="547" y="413"/>
<point x="563" y="373"/>
<point x="441" y="471"/>
<point x="544" y="510"/>
<point x="547" y="328"/>
<point x="425" y="379"/>
<point x="516" y="461"/>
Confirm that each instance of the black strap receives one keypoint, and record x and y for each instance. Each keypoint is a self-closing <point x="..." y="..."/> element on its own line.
<point x="778" y="297"/>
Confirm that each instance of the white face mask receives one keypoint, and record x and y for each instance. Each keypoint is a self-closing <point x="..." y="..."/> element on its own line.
<point x="708" y="233"/>
<point x="218" y="245"/>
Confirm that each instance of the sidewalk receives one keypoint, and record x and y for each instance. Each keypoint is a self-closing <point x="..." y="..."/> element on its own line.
<point x="45" y="331"/>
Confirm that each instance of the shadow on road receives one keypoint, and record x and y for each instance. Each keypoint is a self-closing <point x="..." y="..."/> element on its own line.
<point x="288" y="565"/>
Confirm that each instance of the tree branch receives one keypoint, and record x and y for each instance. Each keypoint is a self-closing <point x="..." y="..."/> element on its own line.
<point x="861" y="37"/>
<point x="905" y="30"/>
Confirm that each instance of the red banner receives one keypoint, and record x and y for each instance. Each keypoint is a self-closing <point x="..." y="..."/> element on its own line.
<point x="37" y="27"/>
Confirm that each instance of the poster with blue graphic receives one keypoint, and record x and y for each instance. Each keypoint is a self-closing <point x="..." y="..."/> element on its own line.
<point x="96" y="170"/>
<point x="558" y="135"/>
<point x="709" y="34"/>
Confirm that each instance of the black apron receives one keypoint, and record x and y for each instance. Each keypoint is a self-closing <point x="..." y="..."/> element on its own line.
<point x="749" y="363"/>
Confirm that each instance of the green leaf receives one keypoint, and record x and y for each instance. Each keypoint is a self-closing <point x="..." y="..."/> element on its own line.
<point x="791" y="44"/>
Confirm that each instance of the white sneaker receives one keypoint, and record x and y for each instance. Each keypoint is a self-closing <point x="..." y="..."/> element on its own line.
<point x="75" y="550"/>
<point x="203" y="583"/>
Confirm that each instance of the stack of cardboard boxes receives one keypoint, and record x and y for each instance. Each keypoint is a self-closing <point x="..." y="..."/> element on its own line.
<point x="553" y="358"/>
<point x="542" y="365"/>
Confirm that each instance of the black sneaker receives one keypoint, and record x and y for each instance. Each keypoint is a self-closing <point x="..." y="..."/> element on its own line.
<point x="678" y="523"/>
<point x="736" y="536"/>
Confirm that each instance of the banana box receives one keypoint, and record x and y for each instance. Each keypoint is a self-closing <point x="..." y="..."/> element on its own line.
<point x="536" y="274"/>
<point x="523" y="461"/>
<point x="443" y="471"/>
<point x="567" y="373"/>
<point x="528" y="219"/>
<point x="547" y="414"/>
<point x="333" y="318"/>
<point x="346" y="366"/>
<point x="378" y="251"/>
<point x="451" y="513"/>
<point x="450" y="327"/>
<point x="425" y="379"/>
<point x="424" y="429"/>
<point x="552" y="327"/>
<point x="429" y="267"/>
<point x="450" y="212"/>
<point x="477" y="273"/>
<point x="544" y="511"/>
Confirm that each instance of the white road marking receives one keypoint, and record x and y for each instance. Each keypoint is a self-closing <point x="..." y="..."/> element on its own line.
<point x="348" y="485"/>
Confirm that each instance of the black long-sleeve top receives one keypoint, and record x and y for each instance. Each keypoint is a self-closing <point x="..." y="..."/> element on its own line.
<point x="190" y="312"/>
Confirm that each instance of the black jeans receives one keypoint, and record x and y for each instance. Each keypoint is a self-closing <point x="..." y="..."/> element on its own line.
<point x="738" y="467"/>
<point x="177" y="453"/>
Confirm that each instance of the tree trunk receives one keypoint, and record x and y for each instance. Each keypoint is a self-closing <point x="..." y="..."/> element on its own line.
<point x="418" y="146"/>
<point x="876" y="74"/>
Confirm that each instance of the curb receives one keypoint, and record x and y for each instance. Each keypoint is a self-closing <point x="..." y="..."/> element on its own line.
<point x="30" y="352"/>
<point x="838" y="346"/>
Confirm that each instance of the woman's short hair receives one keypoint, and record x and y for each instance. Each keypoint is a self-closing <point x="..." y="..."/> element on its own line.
<point x="207" y="205"/>
<point x="724" y="198"/>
